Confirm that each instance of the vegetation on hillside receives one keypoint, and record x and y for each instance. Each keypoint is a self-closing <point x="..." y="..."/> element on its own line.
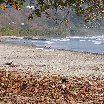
<point x="7" y="30"/>
<point x="52" y="13"/>
<point x="50" y="32"/>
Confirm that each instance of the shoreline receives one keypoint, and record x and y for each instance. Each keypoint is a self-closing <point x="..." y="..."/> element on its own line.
<point x="45" y="47"/>
<point x="37" y="75"/>
<point x="51" y="61"/>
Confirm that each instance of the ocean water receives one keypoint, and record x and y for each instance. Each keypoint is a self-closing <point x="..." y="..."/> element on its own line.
<point x="93" y="44"/>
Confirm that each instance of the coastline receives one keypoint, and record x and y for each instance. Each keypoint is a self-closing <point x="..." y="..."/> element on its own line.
<point x="51" y="61"/>
<point x="44" y="38"/>
<point x="24" y="41"/>
<point x="45" y="76"/>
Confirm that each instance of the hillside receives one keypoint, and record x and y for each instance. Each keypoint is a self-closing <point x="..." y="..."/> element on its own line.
<point x="13" y="22"/>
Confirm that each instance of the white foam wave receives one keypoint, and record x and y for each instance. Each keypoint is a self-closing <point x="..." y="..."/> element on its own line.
<point x="34" y="41"/>
<point x="64" y="39"/>
<point x="76" y="37"/>
<point x="97" y="42"/>
<point x="82" y="40"/>
<point x="48" y="42"/>
<point x="55" y="40"/>
<point x="88" y="37"/>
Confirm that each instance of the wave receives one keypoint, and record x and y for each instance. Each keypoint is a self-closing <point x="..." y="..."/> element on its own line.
<point x="48" y="42"/>
<point x="64" y="39"/>
<point x="55" y="40"/>
<point x="87" y="37"/>
<point x="82" y="40"/>
<point x="97" y="42"/>
<point x="60" y="40"/>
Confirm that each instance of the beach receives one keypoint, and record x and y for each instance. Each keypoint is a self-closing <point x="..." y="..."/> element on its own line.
<point x="50" y="61"/>
<point x="33" y="75"/>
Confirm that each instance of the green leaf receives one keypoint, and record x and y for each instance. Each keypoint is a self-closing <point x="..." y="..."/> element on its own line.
<point x="38" y="12"/>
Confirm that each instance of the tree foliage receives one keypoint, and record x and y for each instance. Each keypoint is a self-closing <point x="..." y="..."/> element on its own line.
<point x="90" y="10"/>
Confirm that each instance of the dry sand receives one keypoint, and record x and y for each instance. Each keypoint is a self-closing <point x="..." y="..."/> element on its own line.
<point x="50" y="61"/>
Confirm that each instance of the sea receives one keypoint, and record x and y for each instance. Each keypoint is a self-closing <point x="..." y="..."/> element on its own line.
<point x="92" y="44"/>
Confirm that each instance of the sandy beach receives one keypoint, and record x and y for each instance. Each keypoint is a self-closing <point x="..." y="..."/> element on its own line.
<point x="50" y="61"/>
<point x="31" y="75"/>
